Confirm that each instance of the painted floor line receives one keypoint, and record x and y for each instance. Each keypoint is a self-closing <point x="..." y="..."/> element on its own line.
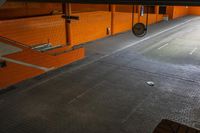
<point x="147" y="38"/>
<point x="163" y="46"/>
<point x="193" y="51"/>
<point x="26" y="64"/>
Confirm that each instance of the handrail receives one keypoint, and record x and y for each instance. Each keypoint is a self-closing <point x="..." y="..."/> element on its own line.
<point x="15" y="42"/>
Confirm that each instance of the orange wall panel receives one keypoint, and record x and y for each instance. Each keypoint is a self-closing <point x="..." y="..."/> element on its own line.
<point x="142" y="19"/>
<point x="36" y="30"/>
<point x="14" y="73"/>
<point x="21" y="72"/>
<point x="122" y="21"/>
<point x="194" y="10"/>
<point x="76" y="8"/>
<point x="124" y="8"/>
<point x="90" y="26"/>
<point x="48" y="60"/>
<point x="26" y="9"/>
<point x="151" y="19"/>
<point x="159" y="17"/>
<point x="69" y="57"/>
<point x="179" y="11"/>
<point x="136" y="18"/>
<point x="170" y="10"/>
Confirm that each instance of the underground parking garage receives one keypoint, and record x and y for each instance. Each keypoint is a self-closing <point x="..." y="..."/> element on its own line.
<point x="106" y="67"/>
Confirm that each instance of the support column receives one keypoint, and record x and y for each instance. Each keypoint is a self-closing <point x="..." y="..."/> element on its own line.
<point x="157" y="12"/>
<point x="134" y="12"/>
<point x="113" y="9"/>
<point x="67" y="12"/>
<point x="139" y="11"/>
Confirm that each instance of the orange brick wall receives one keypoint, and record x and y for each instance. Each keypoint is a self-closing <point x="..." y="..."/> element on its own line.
<point x="25" y="9"/>
<point x="76" y="8"/>
<point x="122" y="21"/>
<point x="182" y="11"/>
<point x="122" y="18"/>
<point x="151" y="18"/>
<point x="36" y="30"/>
<point x="18" y="73"/>
<point x="159" y="17"/>
<point x="124" y="8"/>
<point x="91" y="26"/>
<point x="179" y="11"/>
<point x="21" y="72"/>
<point x="194" y="10"/>
<point x="170" y="10"/>
<point x="136" y="18"/>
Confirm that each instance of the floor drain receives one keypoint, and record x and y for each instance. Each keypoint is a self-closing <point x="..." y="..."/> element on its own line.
<point x="150" y="83"/>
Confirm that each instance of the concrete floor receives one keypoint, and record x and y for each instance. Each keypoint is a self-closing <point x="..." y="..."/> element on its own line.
<point x="6" y="49"/>
<point x="107" y="91"/>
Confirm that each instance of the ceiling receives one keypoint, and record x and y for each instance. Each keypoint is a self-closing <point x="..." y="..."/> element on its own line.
<point x="136" y="2"/>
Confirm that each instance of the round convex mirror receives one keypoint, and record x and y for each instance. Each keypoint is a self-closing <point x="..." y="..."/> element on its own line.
<point x="139" y="30"/>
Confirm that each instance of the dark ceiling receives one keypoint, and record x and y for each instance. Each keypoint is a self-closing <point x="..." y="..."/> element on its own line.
<point x="136" y="2"/>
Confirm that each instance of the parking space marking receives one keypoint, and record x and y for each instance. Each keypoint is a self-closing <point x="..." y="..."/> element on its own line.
<point x="193" y="51"/>
<point x="163" y="46"/>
